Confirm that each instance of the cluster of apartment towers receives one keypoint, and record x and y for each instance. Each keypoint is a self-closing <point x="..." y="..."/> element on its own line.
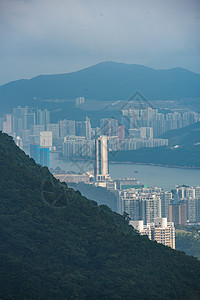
<point x="135" y="128"/>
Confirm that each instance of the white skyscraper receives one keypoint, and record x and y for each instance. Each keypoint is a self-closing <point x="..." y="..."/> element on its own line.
<point x="46" y="139"/>
<point x="7" y="124"/>
<point x="101" y="159"/>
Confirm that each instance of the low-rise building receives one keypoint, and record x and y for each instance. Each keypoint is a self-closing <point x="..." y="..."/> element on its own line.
<point x="74" y="178"/>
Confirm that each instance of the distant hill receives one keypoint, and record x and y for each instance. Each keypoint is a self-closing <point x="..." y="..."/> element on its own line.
<point x="56" y="244"/>
<point x="97" y="193"/>
<point x="186" y="136"/>
<point x="184" y="156"/>
<point x="188" y="239"/>
<point x="104" y="81"/>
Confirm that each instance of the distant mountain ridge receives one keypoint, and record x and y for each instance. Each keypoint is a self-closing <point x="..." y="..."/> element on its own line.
<point x="104" y="81"/>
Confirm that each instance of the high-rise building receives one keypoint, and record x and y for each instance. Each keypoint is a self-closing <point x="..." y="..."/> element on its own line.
<point x="139" y="206"/>
<point x="46" y="139"/>
<point x="113" y="143"/>
<point x="18" y="119"/>
<point x="67" y="127"/>
<point x="149" y="132"/>
<point x="159" y="230"/>
<point x="42" y="117"/>
<point x="121" y="134"/>
<point x="180" y="192"/>
<point x="23" y="118"/>
<point x="39" y="154"/>
<point x="88" y="128"/>
<point x="54" y="128"/>
<point x="29" y="120"/>
<point x="7" y="124"/>
<point x="101" y="159"/>
<point x="163" y="232"/>
<point x="142" y="132"/>
<point x="109" y="127"/>
<point x="166" y="198"/>
<point x="189" y="196"/>
<point x="192" y="209"/>
<point x="178" y="213"/>
<point x="44" y="156"/>
<point x="77" y="146"/>
<point x="84" y="128"/>
<point x="197" y="192"/>
<point x="150" y="208"/>
<point x="190" y="192"/>
<point x="35" y="152"/>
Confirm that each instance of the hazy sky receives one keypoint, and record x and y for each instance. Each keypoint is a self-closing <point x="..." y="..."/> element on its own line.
<point x="60" y="36"/>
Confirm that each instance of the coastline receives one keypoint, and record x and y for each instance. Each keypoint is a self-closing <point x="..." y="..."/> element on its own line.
<point x="154" y="165"/>
<point x="73" y="159"/>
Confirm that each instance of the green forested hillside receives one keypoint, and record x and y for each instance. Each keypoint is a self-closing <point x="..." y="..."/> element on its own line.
<point x="187" y="154"/>
<point x="187" y="136"/>
<point x="56" y="244"/>
<point x="168" y="156"/>
<point x="188" y="239"/>
<point x="99" y="194"/>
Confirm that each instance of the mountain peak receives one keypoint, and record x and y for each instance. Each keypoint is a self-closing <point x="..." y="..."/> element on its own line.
<point x="104" y="81"/>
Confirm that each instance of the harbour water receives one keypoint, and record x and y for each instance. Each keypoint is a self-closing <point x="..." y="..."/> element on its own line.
<point x="163" y="177"/>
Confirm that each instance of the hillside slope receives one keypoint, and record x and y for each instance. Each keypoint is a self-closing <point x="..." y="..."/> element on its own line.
<point x="186" y="136"/>
<point x="56" y="244"/>
<point x="188" y="240"/>
<point x="104" y="81"/>
<point x="186" y="157"/>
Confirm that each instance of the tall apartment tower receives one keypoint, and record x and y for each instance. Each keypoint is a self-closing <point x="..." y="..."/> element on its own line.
<point x="178" y="213"/>
<point x="159" y="230"/>
<point x="109" y="127"/>
<point x="101" y="158"/>
<point x="166" y="198"/>
<point x="35" y="152"/>
<point x="84" y="128"/>
<point x="39" y="154"/>
<point x="46" y="139"/>
<point x="7" y="124"/>
<point x="67" y="127"/>
<point x="42" y="117"/>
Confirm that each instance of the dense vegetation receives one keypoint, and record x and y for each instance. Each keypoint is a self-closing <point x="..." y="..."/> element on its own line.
<point x="181" y="156"/>
<point x="98" y="194"/>
<point x="56" y="244"/>
<point x="188" y="239"/>
<point x="186" y="136"/>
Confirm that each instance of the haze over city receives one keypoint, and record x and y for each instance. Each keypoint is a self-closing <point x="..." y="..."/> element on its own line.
<point x="46" y="37"/>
